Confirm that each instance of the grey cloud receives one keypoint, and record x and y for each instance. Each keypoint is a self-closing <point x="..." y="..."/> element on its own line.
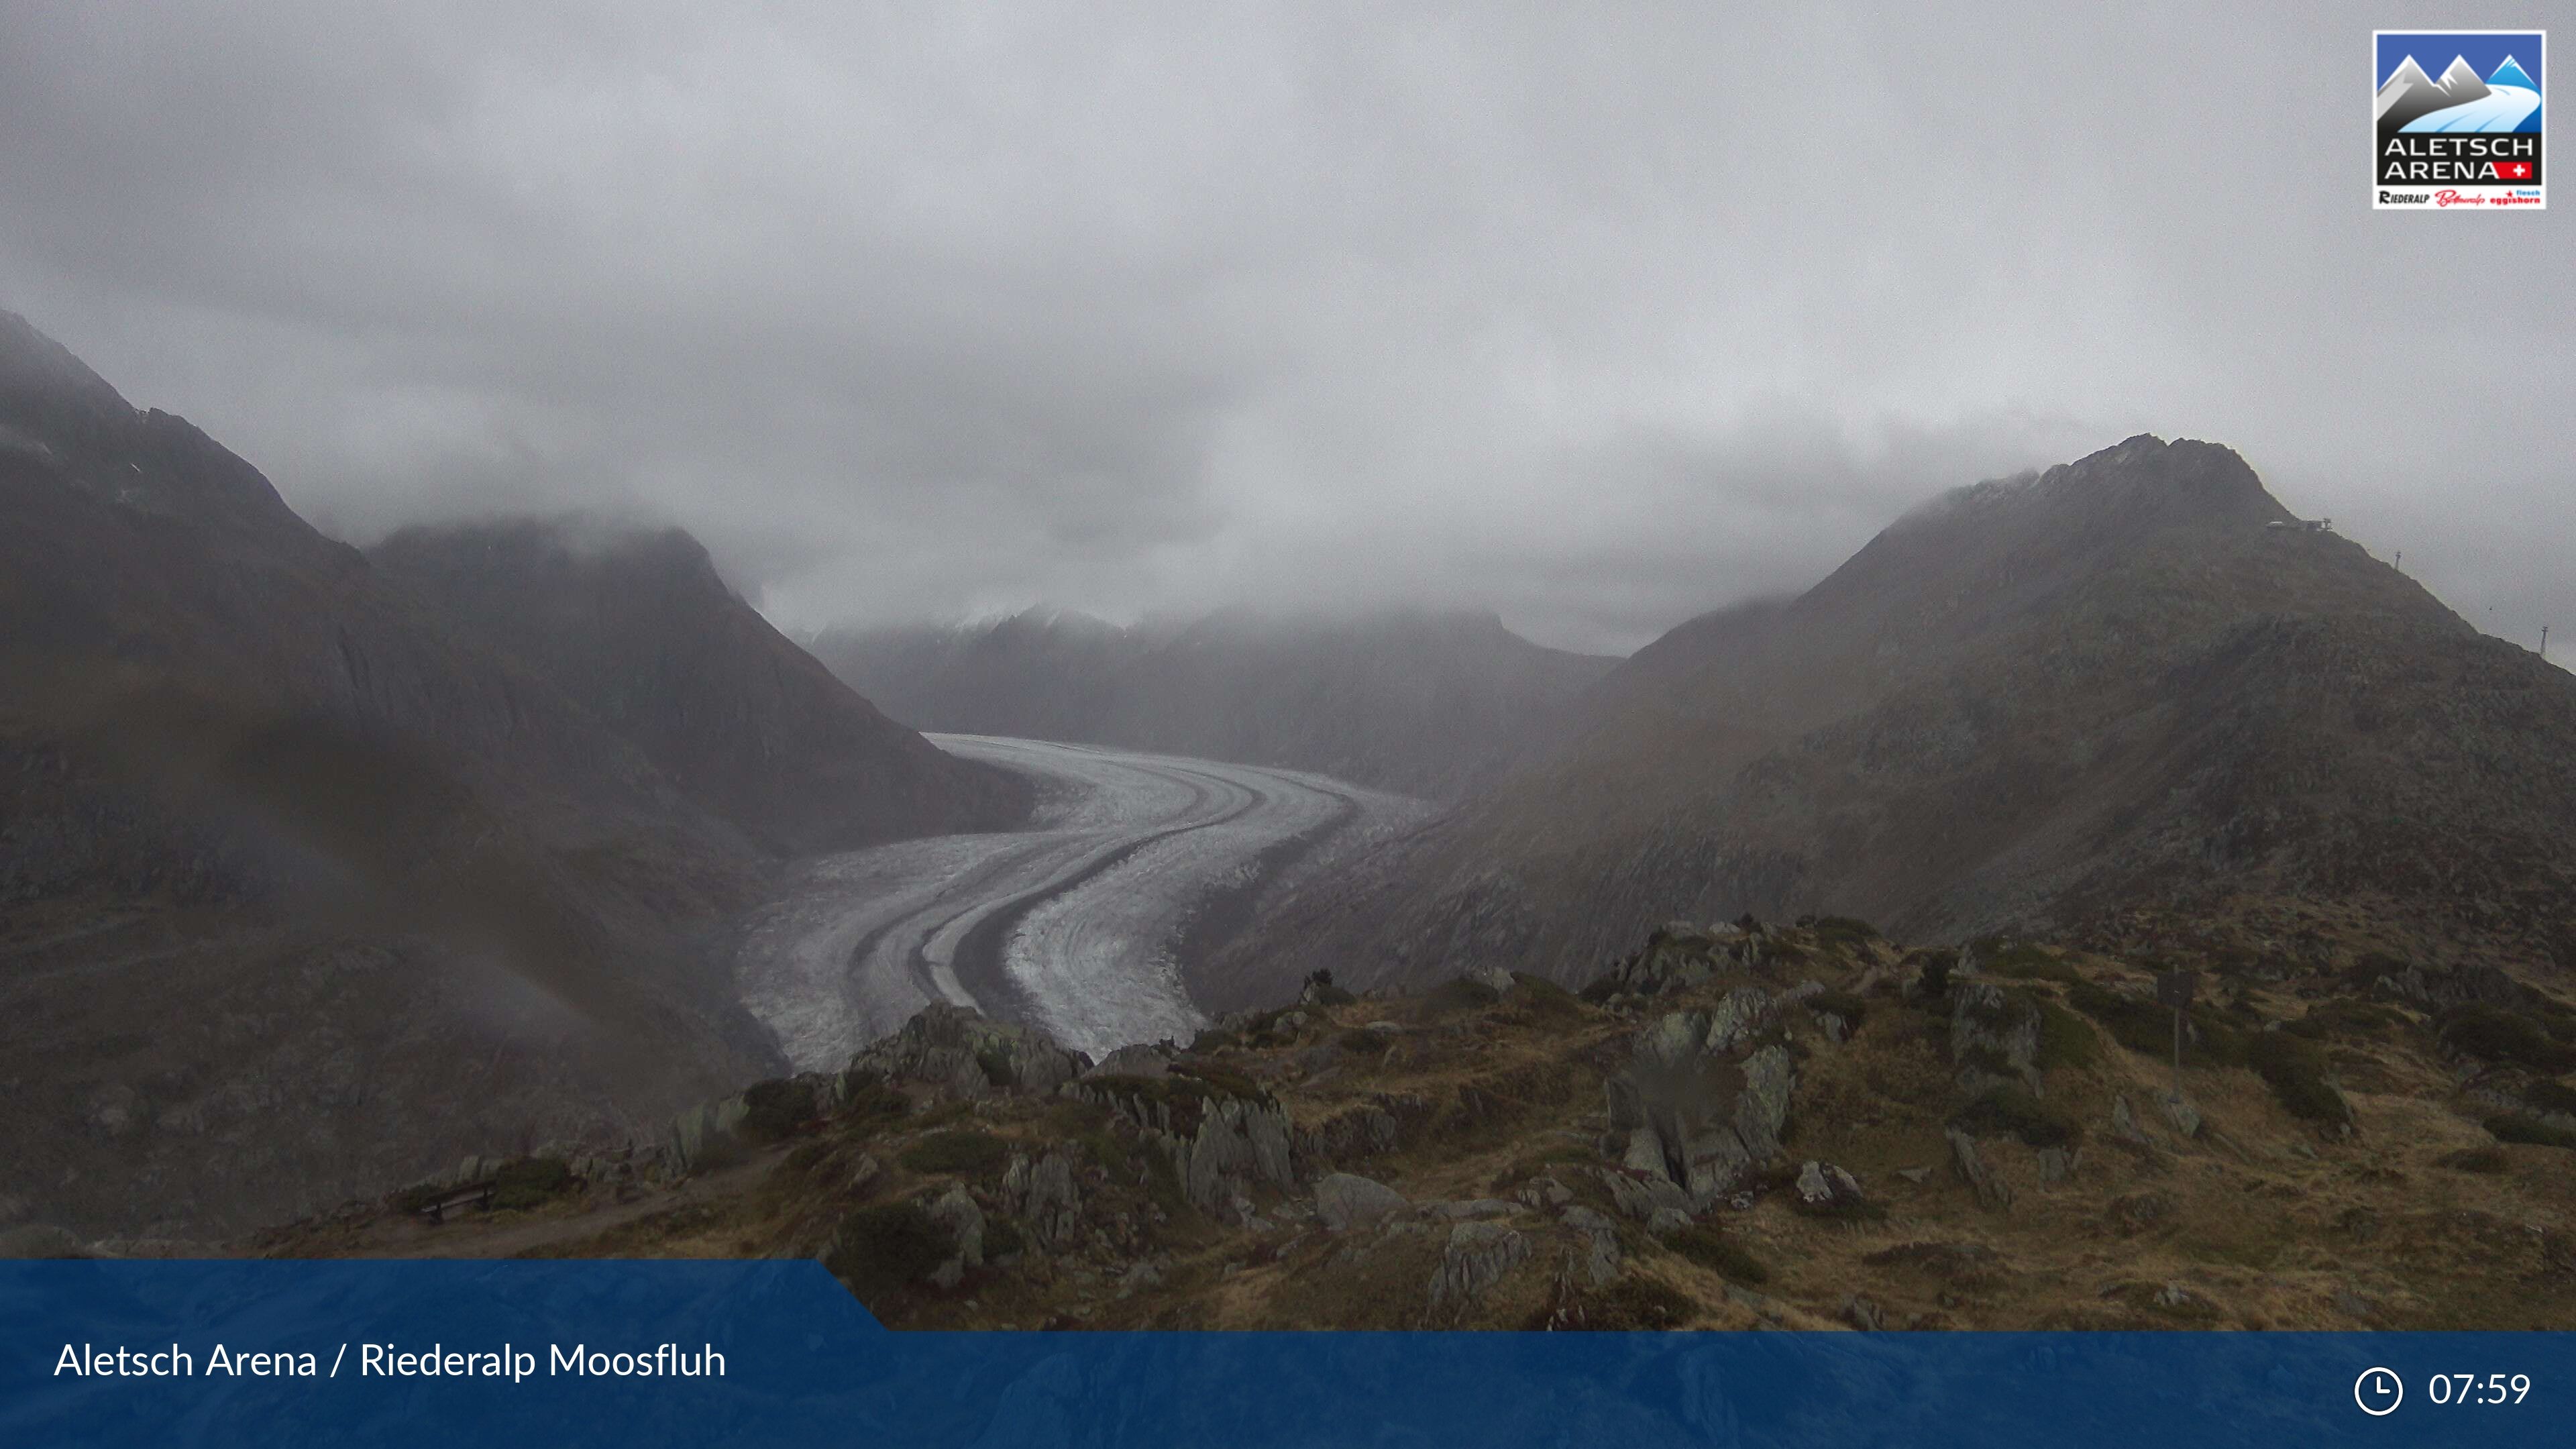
<point x="1594" y="316"/>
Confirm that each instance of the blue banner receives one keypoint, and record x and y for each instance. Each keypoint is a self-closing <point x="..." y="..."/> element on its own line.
<point x="492" y="1355"/>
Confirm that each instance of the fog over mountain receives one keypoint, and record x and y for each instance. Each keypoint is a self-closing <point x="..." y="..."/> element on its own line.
<point x="315" y="873"/>
<point x="916" y="314"/>
<point x="641" y="631"/>
<point x="1422" y="703"/>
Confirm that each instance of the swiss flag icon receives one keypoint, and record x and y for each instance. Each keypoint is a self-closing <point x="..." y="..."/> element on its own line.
<point x="2514" y="170"/>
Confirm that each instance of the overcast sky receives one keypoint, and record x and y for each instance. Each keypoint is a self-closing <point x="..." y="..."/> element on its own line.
<point x="1597" y="316"/>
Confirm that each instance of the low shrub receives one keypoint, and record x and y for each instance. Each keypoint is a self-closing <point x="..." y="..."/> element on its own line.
<point x="1460" y="994"/>
<point x="874" y="1100"/>
<point x="1848" y="932"/>
<point x="2504" y="1038"/>
<point x="1542" y="997"/>
<point x="1711" y="1248"/>
<point x="2524" y="1127"/>
<point x="2065" y="1039"/>
<point x="776" y="1110"/>
<point x="2295" y="1069"/>
<point x="2143" y="1025"/>
<point x="961" y="1152"/>
<point x="529" y="1182"/>
<point x="1850" y="1007"/>
<point x="880" y="1249"/>
<point x="2011" y="1110"/>
<point x="1002" y="1238"/>
<point x="2545" y="1095"/>
<point x="1634" y="1302"/>
<point x="2022" y="961"/>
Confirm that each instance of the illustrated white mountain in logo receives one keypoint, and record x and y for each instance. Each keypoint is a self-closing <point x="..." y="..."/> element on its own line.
<point x="2410" y="100"/>
<point x="2461" y="82"/>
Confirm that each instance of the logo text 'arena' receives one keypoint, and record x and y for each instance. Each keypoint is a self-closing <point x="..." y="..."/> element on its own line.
<point x="2468" y="136"/>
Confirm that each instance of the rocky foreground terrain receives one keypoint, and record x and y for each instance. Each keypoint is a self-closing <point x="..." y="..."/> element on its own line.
<point x="1790" y="1126"/>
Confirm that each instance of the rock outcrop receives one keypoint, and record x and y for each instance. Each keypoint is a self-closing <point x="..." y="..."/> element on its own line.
<point x="1477" y="1256"/>
<point x="958" y="1050"/>
<point x="1700" y="1103"/>
<point x="1221" y="1134"/>
<point x="1344" y="1201"/>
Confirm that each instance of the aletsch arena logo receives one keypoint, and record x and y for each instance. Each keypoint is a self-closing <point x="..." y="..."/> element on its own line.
<point x="2466" y="136"/>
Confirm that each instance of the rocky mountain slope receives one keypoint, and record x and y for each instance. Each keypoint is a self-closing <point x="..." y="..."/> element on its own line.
<point x="1798" y="1126"/>
<point x="637" y="628"/>
<point x="1416" y="702"/>
<point x="299" y="883"/>
<point x="2032" y="704"/>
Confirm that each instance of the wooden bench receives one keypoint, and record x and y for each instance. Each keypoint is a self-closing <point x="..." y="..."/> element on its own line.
<point x="476" y="1195"/>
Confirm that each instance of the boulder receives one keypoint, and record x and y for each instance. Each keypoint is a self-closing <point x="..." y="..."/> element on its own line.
<point x="1737" y="1017"/>
<point x="2124" y="1123"/>
<point x="1644" y="1196"/>
<point x="1994" y="1038"/>
<point x="1041" y="1192"/>
<point x="1688" y="1107"/>
<point x="1139" y="1059"/>
<point x="1477" y="1256"/>
<point x="1992" y="1191"/>
<point x="957" y="1050"/>
<point x="1824" y="1187"/>
<point x="2180" y="1112"/>
<point x="1345" y="1201"/>
<point x="956" y="1213"/>
<point x="1600" y="1240"/>
<point x="1544" y="1191"/>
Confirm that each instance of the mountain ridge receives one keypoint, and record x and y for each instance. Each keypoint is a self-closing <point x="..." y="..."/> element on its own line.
<point x="300" y="884"/>
<point x="2027" y="706"/>
<point x="639" y="627"/>
<point x="1416" y="700"/>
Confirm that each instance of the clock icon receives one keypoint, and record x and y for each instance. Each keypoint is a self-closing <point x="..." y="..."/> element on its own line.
<point x="2378" y="1391"/>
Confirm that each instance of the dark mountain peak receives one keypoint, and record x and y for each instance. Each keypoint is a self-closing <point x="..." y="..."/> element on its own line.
<point x="516" y="552"/>
<point x="80" y="432"/>
<point x="2144" y="478"/>
<point x="43" y="386"/>
<point x="636" y="625"/>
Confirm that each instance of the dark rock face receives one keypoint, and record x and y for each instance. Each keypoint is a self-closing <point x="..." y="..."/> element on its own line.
<point x="2022" y="708"/>
<point x="300" y="893"/>
<point x="1422" y="703"/>
<point x="638" y="629"/>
